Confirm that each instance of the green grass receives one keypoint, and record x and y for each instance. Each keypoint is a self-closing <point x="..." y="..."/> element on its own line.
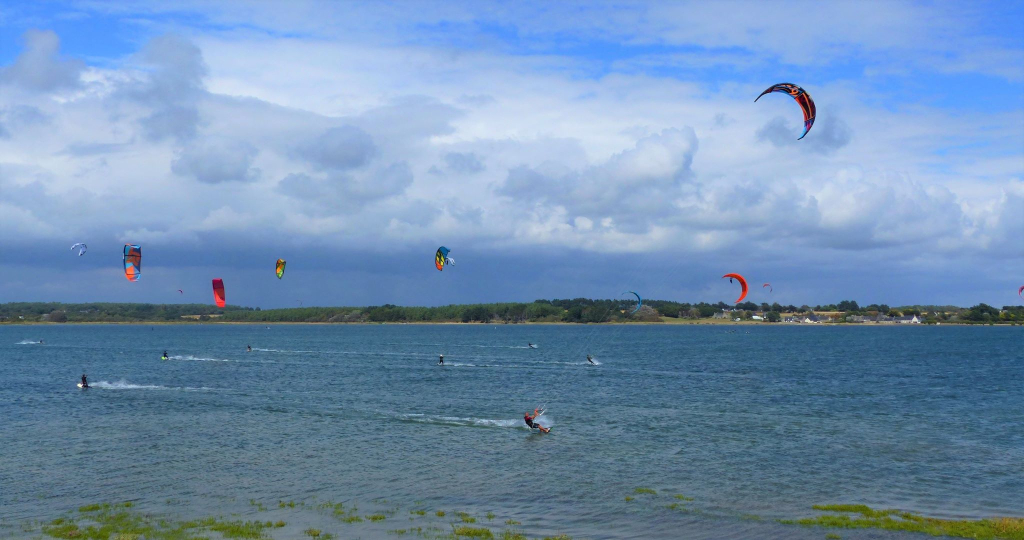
<point x="418" y="512"/>
<point x="682" y="497"/>
<point x="376" y="517"/>
<point x="312" y="533"/>
<point x="473" y="532"/>
<point x="628" y="498"/>
<point x="466" y="518"/>
<point x="512" y="522"/>
<point x="440" y="513"/>
<point x="859" y="516"/>
<point x="832" y="536"/>
<point x="352" y="519"/>
<point x="644" y="491"/>
<point x="490" y="516"/>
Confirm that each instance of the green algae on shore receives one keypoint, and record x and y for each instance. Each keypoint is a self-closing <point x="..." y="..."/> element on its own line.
<point x="865" y="517"/>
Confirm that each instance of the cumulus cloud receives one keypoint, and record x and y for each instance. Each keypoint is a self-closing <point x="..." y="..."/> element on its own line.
<point x="341" y="193"/>
<point x="40" y="67"/>
<point x="172" y="88"/>
<point x="216" y="161"/>
<point x="828" y="134"/>
<point x="463" y="162"/>
<point x="338" y="149"/>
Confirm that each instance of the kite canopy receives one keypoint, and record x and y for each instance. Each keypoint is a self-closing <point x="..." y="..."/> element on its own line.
<point x="802" y="98"/>
<point x="639" y="301"/>
<point x="1020" y="291"/>
<point x="769" y="285"/>
<point x="218" y="292"/>
<point x="132" y="262"/>
<point x="181" y="291"/>
<point x="80" y="247"/>
<point x="280" y="268"/>
<point x="743" y="284"/>
<point x="441" y="258"/>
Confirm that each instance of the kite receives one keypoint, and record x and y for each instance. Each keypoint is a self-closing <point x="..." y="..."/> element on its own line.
<point x="1020" y="291"/>
<point x="802" y="98"/>
<point x="280" y="268"/>
<point x="639" y="301"/>
<point x="132" y="262"/>
<point x="441" y="258"/>
<point x="769" y="285"/>
<point x="80" y="247"/>
<point x="743" y="284"/>
<point x="181" y="291"/>
<point x="218" y="292"/>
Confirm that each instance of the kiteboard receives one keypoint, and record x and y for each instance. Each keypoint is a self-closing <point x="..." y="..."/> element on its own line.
<point x="83" y="387"/>
<point x="163" y="358"/>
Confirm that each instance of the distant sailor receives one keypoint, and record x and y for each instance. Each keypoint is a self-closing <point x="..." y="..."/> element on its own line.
<point x="531" y="345"/>
<point x="85" y="382"/>
<point x="40" y="342"/>
<point x="590" y="359"/>
<point x="440" y="360"/>
<point x="529" y="419"/>
<point x="248" y="348"/>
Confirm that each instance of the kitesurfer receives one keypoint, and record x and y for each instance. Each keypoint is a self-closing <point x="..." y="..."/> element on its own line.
<point x="530" y="345"/>
<point x="529" y="419"/>
<point x="590" y="359"/>
<point x="164" y="357"/>
<point x="440" y="360"/>
<point x="248" y="348"/>
<point x="40" y="342"/>
<point x="85" y="382"/>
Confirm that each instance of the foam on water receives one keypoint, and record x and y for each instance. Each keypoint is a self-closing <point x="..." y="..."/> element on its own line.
<point x="125" y="385"/>
<point x="461" y="421"/>
<point x="29" y="342"/>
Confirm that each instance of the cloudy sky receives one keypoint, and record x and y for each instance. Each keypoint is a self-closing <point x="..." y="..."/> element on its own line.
<point x="559" y="149"/>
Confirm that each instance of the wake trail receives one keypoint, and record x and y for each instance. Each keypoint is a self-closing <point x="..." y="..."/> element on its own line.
<point x="125" y="385"/>
<point x="460" y="421"/>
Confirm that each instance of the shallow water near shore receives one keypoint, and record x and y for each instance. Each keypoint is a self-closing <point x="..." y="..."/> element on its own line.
<point x="747" y="420"/>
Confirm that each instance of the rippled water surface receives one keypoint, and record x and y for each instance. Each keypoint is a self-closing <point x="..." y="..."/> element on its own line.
<point x="749" y="421"/>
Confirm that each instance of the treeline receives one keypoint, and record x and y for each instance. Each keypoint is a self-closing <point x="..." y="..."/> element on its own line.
<point x="108" y="312"/>
<point x="576" y="310"/>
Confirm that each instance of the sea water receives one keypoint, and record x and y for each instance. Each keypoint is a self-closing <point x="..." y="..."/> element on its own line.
<point x="754" y="423"/>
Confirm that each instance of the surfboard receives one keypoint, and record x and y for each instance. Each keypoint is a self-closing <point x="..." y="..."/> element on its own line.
<point x="83" y="387"/>
<point x="163" y="358"/>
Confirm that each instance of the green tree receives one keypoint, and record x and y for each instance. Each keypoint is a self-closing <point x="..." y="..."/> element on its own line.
<point x="773" y="316"/>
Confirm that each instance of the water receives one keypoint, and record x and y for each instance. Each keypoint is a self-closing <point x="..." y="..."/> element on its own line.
<point x="747" y="420"/>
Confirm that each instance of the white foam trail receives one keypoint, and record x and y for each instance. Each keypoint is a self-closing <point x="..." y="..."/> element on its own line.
<point x="125" y="385"/>
<point x="29" y="342"/>
<point x="191" y="358"/>
<point x="461" y="421"/>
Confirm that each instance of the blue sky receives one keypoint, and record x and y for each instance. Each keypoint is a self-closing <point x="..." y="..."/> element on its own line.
<point x="559" y="150"/>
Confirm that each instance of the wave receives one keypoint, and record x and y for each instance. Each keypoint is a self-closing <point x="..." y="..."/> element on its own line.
<point x="125" y="385"/>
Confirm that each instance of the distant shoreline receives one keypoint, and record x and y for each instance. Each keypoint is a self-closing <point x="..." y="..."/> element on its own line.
<point x="666" y="321"/>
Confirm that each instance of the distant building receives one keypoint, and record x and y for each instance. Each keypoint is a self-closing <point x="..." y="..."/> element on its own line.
<point x="908" y="320"/>
<point x="721" y="315"/>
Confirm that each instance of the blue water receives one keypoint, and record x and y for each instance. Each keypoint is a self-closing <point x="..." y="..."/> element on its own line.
<point x="747" y="420"/>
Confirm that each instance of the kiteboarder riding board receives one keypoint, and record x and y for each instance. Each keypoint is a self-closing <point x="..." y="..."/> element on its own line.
<point x="83" y="387"/>
<point x="530" y="420"/>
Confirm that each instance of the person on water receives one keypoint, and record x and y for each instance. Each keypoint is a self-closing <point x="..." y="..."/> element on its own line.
<point x="248" y="348"/>
<point x="165" y="357"/>
<point x="529" y="419"/>
<point x="590" y="359"/>
<point x="440" y="361"/>
<point x="85" y="382"/>
<point x="40" y="342"/>
<point x="530" y="345"/>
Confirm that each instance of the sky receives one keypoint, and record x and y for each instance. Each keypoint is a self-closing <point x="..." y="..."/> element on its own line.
<point x="558" y="149"/>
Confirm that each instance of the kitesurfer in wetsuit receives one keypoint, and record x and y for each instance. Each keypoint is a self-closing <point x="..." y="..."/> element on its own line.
<point x="590" y="359"/>
<point x="529" y="419"/>
<point x="165" y="357"/>
<point x="85" y="382"/>
<point x="530" y="345"/>
<point x="248" y="348"/>
<point x="440" y="360"/>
